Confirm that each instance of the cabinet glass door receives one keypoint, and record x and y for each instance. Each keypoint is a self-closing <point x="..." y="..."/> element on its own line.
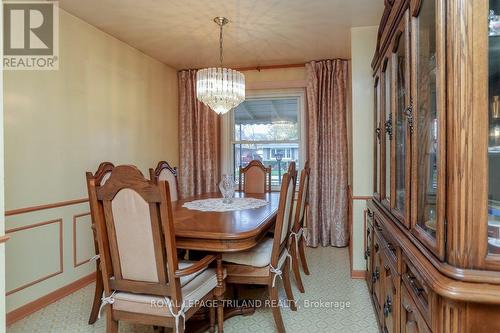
<point x="401" y="131"/>
<point x="494" y="128"/>
<point x="387" y="130"/>
<point x="377" y="150"/>
<point x="428" y="124"/>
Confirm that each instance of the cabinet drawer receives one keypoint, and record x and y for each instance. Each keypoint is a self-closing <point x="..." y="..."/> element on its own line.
<point x="369" y="260"/>
<point x="417" y="288"/>
<point x="412" y="320"/>
<point x="390" y="308"/>
<point x="388" y="244"/>
<point x="377" y="278"/>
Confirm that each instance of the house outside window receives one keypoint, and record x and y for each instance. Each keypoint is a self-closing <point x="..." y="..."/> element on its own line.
<point x="269" y="128"/>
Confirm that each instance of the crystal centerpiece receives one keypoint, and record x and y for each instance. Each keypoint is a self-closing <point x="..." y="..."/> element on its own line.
<point x="221" y="89"/>
<point x="227" y="188"/>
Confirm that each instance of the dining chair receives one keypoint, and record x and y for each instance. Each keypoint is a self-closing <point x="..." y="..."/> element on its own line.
<point x="255" y="178"/>
<point x="99" y="177"/>
<point x="143" y="280"/>
<point x="164" y="171"/>
<point x="267" y="261"/>
<point x="297" y="241"/>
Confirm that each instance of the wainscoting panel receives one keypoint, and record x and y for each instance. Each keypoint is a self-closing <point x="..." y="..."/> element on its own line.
<point x="38" y="254"/>
<point x="83" y="239"/>
<point x="48" y="250"/>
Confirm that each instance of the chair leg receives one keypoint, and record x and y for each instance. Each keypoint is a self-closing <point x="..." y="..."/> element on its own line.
<point x="211" y="309"/>
<point x="111" y="324"/>
<point x="302" y="251"/>
<point x="273" y="297"/>
<point x="295" y="267"/>
<point x="288" y="286"/>
<point x="220" y="317"/>
<point x="99" y="289"/>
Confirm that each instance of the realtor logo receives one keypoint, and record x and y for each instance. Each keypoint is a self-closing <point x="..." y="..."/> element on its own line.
<point x="31" y="35"/>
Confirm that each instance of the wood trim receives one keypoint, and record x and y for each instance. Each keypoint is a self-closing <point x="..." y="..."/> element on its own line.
<point x="358" y="275"/>
<point x="365" y="197"/>
<point x="61" y="257"/>
<point x="75" y="218"/>
<point x="44" y="207"/>
<point x="4" y="238"/>
<point x="259" y="68"/>
<point x="48" y="299"/>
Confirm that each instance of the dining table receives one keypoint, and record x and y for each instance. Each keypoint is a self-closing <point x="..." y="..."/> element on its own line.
<point x="228" y="231"/>
<point x="221" y="232"/>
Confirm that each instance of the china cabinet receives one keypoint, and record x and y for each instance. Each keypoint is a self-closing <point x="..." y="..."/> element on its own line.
<point x="433" y="224"/>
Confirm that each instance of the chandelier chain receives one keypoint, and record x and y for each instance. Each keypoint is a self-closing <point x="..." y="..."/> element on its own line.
<point x="221" y="45"/>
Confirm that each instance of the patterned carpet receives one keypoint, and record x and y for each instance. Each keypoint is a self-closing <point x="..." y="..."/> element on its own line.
<point x="332" y="303"/>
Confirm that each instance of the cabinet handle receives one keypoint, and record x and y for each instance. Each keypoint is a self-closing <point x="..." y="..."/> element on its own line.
<point x="387" y="307"/>
<point x="409" y="115"/>
<point x="413" y="283"/>
<point x="375" y="275"/>
<point x="378" y="131"/>
<point x="388" y="126"/>
<point x="367" y="254"/>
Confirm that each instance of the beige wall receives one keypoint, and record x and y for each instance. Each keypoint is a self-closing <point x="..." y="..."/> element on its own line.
<point x="363" y="43"/>
<point x="275" y="75"/>
<point x="107" y="102"/>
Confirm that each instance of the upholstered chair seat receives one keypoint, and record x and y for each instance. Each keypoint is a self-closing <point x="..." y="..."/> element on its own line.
<point x="259" y="256"/>
<point x="194" y="290"/>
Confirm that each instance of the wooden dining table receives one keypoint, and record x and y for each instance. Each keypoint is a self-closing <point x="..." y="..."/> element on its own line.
<point x="223" y="231"/>
<point x="220" y="232"/>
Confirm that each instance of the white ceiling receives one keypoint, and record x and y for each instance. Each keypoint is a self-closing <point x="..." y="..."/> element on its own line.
<point x="181" y="33"/>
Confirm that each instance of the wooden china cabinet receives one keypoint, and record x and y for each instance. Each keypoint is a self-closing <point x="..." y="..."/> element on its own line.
<point x="433" y="231"/>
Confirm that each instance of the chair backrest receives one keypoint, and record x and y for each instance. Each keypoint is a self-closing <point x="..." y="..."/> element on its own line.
<point x="135" y="233"/>
<point x="164" y="172"/>
<point x="283" y="217"/>
<point x="302" y="198"/>
<point x="100" y="177"/>
<point x="292" y="172"/>
<point x="255" y="178"/>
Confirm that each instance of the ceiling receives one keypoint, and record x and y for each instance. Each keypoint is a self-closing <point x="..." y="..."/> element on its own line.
<point x="181" y="33"/>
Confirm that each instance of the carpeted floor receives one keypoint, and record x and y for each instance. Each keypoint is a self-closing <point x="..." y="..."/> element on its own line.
<point x="332" y="303"/>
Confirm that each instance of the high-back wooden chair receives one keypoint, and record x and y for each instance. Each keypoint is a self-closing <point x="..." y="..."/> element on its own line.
<point x="100" y="177"/>
<point x="263" y="264"/>
<point x="297" y="241"/>
<point x="142" y="279"/>
<point x="255" y="178"/>
<point x="164" y="171"/>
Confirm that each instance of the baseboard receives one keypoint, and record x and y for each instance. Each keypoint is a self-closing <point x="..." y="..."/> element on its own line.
<point x="358" y="275"/>
<point x="54" y="296"/>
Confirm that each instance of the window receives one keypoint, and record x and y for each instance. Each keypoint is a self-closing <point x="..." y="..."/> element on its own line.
<point x="267" y="128"/>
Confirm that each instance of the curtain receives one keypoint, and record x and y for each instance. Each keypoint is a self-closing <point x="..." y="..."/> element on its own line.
<point x="199" y="140"/>
<point x="327" y="149"/>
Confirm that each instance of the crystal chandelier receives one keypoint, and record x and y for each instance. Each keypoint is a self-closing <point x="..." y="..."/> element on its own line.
<point x="221" y="89"/>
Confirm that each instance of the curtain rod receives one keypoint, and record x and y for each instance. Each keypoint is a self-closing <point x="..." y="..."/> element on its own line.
<point x="259" y="68"/>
